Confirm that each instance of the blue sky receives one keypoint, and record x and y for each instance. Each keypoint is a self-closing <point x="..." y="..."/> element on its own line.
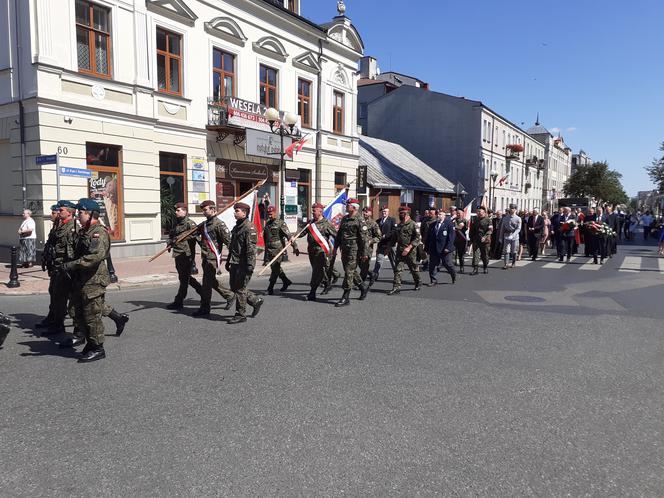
<point x="593" y="70"/>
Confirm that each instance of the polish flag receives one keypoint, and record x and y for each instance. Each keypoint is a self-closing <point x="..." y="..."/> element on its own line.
<point x="257" y="223"/>
<point x="296" y="146"/>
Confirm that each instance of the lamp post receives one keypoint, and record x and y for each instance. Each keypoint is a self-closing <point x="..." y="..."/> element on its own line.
<point x="288" y="130"/>
<point x="492" y="187"/>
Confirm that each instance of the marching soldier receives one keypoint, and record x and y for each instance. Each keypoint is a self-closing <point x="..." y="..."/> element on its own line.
<point x="47" y="265"/>
<point x="214" y="235"/>
<point x="241" y="263"/>
<point x="480" y="237"/>
<point x="373" y="237"/>
<point x="318" y="233"/>
<point x="276" y="235"/>
<point x="351" y="238"/>
<point x="90" y="278"/>
<point x="406" y="236"/>
<point x="183" y="252"/>
<point x="460" y="238"/>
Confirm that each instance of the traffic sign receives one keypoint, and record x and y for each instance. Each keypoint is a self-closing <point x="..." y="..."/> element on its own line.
<point x="50" y="159"/>
<point x="79" y="172"/>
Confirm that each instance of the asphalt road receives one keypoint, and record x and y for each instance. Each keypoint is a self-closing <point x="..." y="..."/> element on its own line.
<point x="533" y="381"/>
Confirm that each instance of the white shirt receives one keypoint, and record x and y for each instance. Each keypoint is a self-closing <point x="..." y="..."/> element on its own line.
<point x="29" y="224"/>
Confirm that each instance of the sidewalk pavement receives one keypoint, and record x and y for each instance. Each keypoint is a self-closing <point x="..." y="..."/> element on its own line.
<point x="131" y="273"/>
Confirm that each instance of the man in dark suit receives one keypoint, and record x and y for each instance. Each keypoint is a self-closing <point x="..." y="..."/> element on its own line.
<point x="568" y="233"/>
<point x="440" y="246"/>
<point x="384" y="248"/>
<point x="534" y="227"/>
<point x="613" y="220"/>
<point x="556" y="221"/>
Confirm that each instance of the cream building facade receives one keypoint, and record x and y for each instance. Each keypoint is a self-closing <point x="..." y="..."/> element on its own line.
<point x="512" y="164"/>
<point x="557" y="164"/>
<point x="147" y="102"/>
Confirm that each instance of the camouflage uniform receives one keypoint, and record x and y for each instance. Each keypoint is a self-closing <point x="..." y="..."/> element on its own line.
<point x="241" y="263"/>
<point x="64" y="244"/>
<point x="89" y="281"/>
<point x="479" y="236"/>
<point x="219" y="235"/>
<point x="406" y="234"/>
<point x="317" y="258"/>
<point x="373" y="237"/>
<point x="276" y="235"/>
<point x="352" y="241"/>
<point x="183" y="252"/>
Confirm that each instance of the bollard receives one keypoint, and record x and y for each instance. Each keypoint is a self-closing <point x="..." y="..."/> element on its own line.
<point x="13" y="274"/>
<point x="111" y="270"/>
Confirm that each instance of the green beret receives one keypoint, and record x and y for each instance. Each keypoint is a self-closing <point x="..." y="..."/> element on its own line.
<point x="55" y="207"/>
<point x="88" y="205"/>
<point x="67" y="204"/>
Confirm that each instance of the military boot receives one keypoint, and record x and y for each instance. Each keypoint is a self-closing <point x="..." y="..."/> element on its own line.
<point x="229" y="303"/>
<point x="312" y="294"/>
<point x="344" y="301"/>
<point x="326" y="289"/>
<point x="270" y="286"/>
<point x="476" y="270"/>
<point x="237" y="319"/>
<point x="93" y="354"/>
<point x="175" y="305"/>
<point x="72" y="341"/>
<point x="364" y="290"/>
<point x="120" y="320"/>
<point x="395" y="290"/>
<point x="287" y="283"/>
<point x="257" y="307"/>
<point x="4" y="332"/>
<point x="461" y="268"/>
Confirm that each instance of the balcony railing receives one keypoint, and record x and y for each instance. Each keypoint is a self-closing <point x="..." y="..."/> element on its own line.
<point x="217" y="112"/>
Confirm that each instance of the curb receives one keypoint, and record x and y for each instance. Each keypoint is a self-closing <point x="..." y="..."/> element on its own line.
<point x="143" y="281"/>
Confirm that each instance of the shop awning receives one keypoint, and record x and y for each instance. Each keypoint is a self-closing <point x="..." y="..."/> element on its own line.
<point x="390" y="166"/>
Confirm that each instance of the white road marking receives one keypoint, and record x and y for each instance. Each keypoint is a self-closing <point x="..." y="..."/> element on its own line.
<point x="631" y="263"/>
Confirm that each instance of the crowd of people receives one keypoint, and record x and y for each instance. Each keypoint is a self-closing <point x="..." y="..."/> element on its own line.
<point x="76" y="252"/>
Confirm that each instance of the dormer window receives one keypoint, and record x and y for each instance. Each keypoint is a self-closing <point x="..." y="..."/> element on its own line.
<point x="293" y="6"/>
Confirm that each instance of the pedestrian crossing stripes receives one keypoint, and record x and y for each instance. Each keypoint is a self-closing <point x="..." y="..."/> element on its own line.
<point x="633" y="264"/>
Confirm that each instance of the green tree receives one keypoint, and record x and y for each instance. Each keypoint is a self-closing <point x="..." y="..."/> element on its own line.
<point x="656" y="171"/>
<point x="598" y="181"/>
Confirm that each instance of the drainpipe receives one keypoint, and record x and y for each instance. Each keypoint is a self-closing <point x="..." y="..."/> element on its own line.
<point x="319" y="123"/>
<point x="21" y="111"/>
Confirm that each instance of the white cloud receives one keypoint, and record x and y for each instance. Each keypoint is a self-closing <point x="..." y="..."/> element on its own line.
<point x="571" y="129"/>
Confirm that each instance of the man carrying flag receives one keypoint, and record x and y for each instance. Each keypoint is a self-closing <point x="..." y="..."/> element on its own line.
<point x="334" y="212"/>
<point x="318" y="233"/>
<point x="214" y="235"/>
<point x="276" y="235"/>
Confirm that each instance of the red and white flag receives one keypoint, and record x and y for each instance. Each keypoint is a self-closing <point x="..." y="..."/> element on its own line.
<point x="319" y="238"/>
<point x="258" y="224"/>
<point x="296" y="146"/>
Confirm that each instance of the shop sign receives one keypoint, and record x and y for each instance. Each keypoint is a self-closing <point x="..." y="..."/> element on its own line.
<point x="362" y="179"/>
<point x="265" y="144"/>
<point x="103" y="187"/>
<point x="247" y="114"/>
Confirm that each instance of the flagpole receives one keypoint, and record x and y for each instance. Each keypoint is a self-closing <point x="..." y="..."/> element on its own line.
<point x="290" y="242"/>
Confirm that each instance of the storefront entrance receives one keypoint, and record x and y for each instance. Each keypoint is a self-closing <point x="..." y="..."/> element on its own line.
<point x="234" y="178"/>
